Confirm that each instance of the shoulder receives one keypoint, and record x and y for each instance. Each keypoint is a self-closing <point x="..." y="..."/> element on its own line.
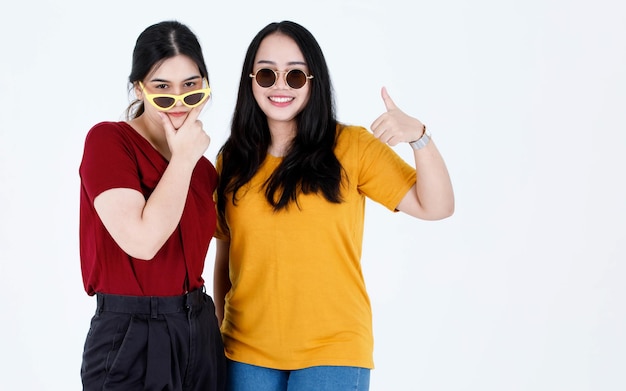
<point x="107" y="137"/>
<point x="108" y="128"/>
<point x="346" y="130"/>
<point x="108" y="131"/>
<point x="354" y="137"/>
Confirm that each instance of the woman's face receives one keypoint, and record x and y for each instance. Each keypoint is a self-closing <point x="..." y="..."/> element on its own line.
<point x="174" y="76"/>
<point x="280" y="102"/>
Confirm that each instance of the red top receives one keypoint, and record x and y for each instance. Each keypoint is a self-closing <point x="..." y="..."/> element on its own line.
<point x="116" y="156"/>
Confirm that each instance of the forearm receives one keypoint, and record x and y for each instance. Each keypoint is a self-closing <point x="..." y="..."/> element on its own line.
<point x="164" y="208"/>
<point x="432" y="197"/>
<point x="433" y="188"/>
<point x="141" y="227"/>
<point x="221" y="279"/>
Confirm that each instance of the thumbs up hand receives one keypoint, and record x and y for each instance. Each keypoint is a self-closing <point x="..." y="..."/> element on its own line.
<point x="394" y="126"/>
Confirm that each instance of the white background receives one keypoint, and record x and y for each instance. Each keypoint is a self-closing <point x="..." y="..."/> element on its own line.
<point x="522" y="289"/>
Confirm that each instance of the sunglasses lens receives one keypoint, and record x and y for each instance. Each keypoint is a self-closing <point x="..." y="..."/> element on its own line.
<point x="163" y="101"/>
<point x="296" y="78"/>
<point x="265" y="77"/>
<point x="194" y="99"/>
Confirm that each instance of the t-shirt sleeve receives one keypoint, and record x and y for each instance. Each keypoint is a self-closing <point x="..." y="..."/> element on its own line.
<point x="108" y="161"/>
<point x="384" y="176"/>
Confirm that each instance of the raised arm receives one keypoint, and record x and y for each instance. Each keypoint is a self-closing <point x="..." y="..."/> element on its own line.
<point x="141" y="227"/>
<point x="432" y="197"/>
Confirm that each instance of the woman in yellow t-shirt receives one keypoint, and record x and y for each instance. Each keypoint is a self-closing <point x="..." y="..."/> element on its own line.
<point x="289" y="290"/>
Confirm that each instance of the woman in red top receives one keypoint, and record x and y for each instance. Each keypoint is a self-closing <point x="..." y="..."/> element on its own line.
<point x="146" y="219"/>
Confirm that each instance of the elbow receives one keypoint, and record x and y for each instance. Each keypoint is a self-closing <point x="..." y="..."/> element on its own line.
<point x="438" y="216"/>
<point x="443" y="211"/>
<point x="447" y="212"/>
<point x="446" y="206"/>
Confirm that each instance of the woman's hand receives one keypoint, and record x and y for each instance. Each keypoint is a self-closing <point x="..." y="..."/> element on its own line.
<point x="394" y="126"/>
<point x="189" y="141"/>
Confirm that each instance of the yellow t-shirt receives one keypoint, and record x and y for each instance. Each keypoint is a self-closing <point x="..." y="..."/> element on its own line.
<point x="298" y="297"/>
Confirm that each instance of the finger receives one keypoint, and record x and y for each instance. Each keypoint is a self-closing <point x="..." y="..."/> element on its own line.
<point x="380" y="135"/>
<point x="195" y="112"/>
<point x="374" y="126"/>
<point x="380" y="130"/>
<point x="389" y="104"/>
<point x="393" y="141"/>
<point x="167" y="123"/>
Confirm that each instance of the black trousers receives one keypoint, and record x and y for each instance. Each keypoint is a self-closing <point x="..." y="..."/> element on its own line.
<point x="154" y="343"/>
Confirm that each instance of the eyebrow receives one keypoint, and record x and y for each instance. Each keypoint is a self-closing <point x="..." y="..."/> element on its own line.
<point x="289" y="63"/>
<point x="167" y="81"/>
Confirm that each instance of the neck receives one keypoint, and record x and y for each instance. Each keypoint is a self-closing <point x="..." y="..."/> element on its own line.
<point x="282" y="136"/>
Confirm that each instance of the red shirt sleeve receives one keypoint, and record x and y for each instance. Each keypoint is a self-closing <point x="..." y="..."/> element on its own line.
<point x="108" y="161"/>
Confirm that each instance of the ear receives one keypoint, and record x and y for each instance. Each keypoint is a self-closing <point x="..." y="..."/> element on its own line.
<point x="137" y="90"/>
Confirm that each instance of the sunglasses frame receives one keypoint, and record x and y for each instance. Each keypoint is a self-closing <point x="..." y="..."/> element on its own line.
<point x="276" y="73"/>
<point x="181" y="97"/>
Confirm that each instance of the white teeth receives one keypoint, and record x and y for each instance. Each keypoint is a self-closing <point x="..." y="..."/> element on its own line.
<point x="280" y="99"/>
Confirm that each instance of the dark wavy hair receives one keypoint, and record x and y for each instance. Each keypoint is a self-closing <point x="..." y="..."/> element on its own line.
<point x="156" y="44"/>
<point x="310" y="165"/>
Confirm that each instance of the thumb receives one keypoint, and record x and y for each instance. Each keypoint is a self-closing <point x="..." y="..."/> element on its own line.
<point x="389" y="104"/>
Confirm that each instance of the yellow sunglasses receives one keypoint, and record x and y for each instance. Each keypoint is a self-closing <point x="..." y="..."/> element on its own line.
<point x="190" y="99"/>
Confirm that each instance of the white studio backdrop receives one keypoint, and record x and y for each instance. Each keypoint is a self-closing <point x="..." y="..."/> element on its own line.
<point x="522" y="289"/>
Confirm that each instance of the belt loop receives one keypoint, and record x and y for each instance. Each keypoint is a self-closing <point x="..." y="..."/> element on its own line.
<point x="154" y="307"/>
<point x="100" y="303"/>
<point x="188" y="301"/>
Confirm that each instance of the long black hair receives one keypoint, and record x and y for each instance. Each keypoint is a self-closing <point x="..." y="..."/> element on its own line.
<point x="310" y="165"/>
<point x="156" y="44"/>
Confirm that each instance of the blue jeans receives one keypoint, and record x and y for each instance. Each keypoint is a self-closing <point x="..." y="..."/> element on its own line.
<point x="245" y="377"/>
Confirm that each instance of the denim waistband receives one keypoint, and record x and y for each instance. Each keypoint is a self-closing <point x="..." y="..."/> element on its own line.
<point x="149" y="305"/>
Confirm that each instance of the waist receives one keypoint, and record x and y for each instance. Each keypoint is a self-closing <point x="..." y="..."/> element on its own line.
<point x="150" y="305"/>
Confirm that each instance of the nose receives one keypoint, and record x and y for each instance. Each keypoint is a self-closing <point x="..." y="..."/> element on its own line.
<point x="281" y="81"/>
<point x="179" y="100"/>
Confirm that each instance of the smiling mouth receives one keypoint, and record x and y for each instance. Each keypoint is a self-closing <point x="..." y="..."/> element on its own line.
<point x="280" y="99"/>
